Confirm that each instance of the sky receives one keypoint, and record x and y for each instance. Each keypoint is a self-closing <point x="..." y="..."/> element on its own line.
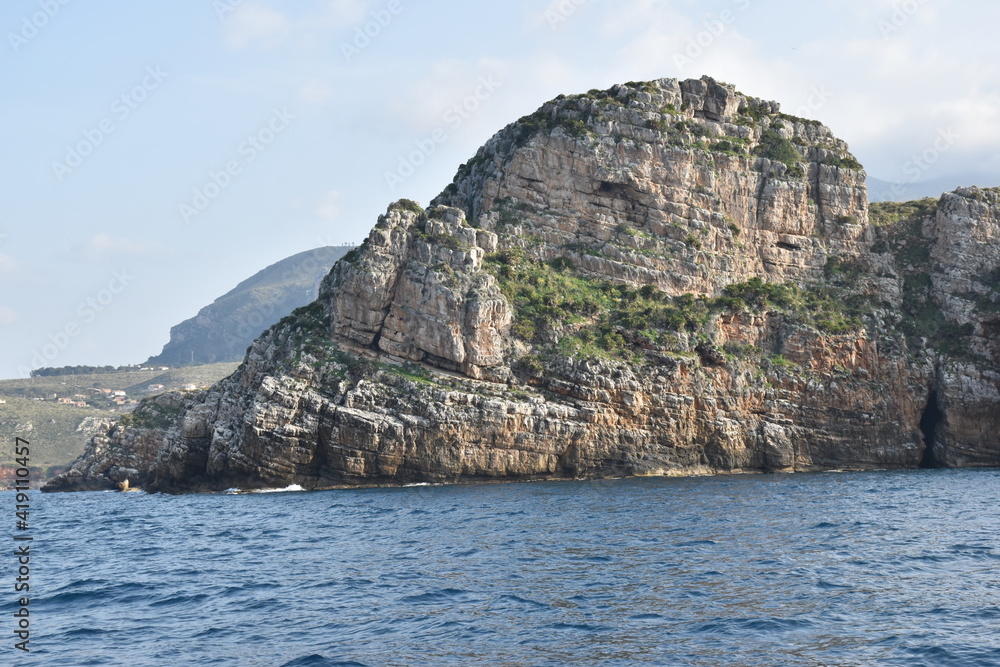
<point x="156" y="154"/>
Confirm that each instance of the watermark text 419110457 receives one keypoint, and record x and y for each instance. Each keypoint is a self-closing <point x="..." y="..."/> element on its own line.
<point x="22" y="544"/>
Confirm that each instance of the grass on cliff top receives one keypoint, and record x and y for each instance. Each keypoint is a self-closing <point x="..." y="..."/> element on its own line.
<point x="555" y="306"/>
<point x="889" y="212"/>
<point x="152" y="415"/>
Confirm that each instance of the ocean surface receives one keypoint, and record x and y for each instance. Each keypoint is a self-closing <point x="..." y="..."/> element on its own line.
<point x="883" y="568"/>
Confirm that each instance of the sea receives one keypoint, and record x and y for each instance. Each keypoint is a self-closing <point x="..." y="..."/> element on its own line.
<point x="875" y="568"/>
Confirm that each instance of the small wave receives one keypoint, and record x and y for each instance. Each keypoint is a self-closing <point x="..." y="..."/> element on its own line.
<point x="443" y="595"/>
<point x="975" y="551"/>
<point x="288" y="489"/>
<point x="741" y="626"/>
<point x="179" y="599"/>
<point x="959" y="656"/>
<point x="646" y="617"/>
<point x="578" y="627"/>
<point x="84" y="632"/>
<point x="316" y="660"/>
<point x="520" y="600"/>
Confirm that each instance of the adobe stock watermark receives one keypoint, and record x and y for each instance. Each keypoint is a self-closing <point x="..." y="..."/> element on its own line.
<point x="454" y="117"/>
<point x="248" y="151"/>
<point x="121" y="109"/>
<point x="31" y="25"/>
<point x="224" y="8"/>
<point x="365" y="34"/>
<point x="818" y="97"/>
<point x="86" y="312"/>
<point x="901" y="15"/>
<point x="562" y="12"/>
<point x="712" y="28"/>
<point x="920" y="163"/>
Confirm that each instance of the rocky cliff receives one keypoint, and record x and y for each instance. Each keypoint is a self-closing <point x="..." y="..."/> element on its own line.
<point x="664" y="278"/>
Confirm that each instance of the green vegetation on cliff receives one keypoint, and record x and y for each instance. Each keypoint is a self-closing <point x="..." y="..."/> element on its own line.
<point x="558" y="307"/>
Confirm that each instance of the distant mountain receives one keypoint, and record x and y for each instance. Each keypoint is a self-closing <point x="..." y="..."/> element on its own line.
<point x="222" y="331"/>
<point x="879" y="190"/>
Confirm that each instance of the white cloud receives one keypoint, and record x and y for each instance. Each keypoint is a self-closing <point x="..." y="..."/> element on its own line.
<point x="256" y="24"/>
<point x="329" y="207"/>
<point x="449" y="83"/>
<point x="341" y="13"/>
<point x="8" y="264"/>
<point x="316" y="91"/>
<point x="103" y="246"/>
<point x="8" y="316"/>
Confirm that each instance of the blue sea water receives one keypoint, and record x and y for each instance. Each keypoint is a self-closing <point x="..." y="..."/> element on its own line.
<point x="885" y="568"/>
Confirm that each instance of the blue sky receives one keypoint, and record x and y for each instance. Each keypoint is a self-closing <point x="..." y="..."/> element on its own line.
<point x="157" y="153"/>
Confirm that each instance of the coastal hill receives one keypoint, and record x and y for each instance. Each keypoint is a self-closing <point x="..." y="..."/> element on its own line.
<point x="661" y="278"/>
<point x="222" y="330"/>
<point x="60" y="408"/>
<point x="57" y="414"/>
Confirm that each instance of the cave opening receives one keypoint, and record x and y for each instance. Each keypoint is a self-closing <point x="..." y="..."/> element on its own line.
<point x="929" y="423"/>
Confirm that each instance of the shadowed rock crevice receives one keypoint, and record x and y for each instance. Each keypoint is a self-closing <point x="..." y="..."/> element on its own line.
<point x="930" y="421"/>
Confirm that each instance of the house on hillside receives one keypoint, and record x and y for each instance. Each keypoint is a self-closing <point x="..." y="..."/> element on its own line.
<point x="190" y="387"/>
<point x="120" y="393"/>
<point x="155" y="387"/>
<point x="65" y="401"/>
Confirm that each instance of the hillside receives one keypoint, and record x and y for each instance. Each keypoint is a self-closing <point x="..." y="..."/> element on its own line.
<point x="662" y="278"/>
<point x="58" y="432"/>
<point x="222" y="331"/>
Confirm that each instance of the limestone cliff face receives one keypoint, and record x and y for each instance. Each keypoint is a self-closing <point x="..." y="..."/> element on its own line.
<point x="125" y="449"/>
<point x="662" y="278"/>
<point x="964" y="272"/>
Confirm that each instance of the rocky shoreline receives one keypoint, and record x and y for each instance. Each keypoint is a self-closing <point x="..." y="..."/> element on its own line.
<point x="664" y="278"/>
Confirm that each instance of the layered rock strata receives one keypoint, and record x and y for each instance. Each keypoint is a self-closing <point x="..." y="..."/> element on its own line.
<point x="664" y="278"/>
